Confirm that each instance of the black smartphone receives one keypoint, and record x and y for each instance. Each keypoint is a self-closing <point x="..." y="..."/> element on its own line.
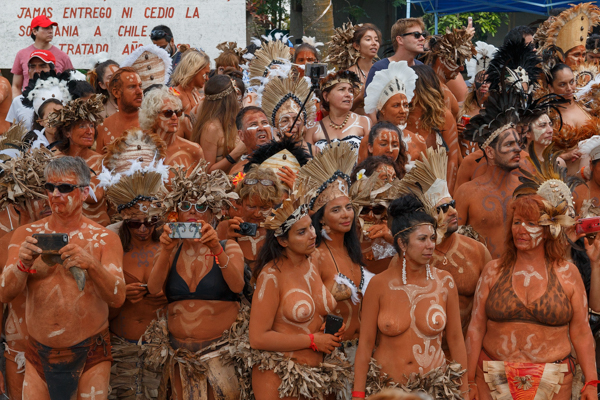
<point x="247" y="229"/>
<point x="333" y="323"/>
<point x="51" y="243"/>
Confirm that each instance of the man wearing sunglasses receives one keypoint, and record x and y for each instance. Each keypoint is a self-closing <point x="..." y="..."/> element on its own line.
<point x="126" y="87"/>
<point x="460" y="255"/>
<point x="162" y="36"/>
<point x="69" y="352"/>
<point x="408" y="41"/>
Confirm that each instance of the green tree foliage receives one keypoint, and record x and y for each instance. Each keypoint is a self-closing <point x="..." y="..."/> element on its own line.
<point x="485" y="23"/>
<point x="270" y="14"/>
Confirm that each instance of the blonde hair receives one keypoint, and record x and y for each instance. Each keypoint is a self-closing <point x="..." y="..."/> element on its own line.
<point x="397" y="394"/>
<point x="153" y="103"/>
<point x="429" y="98"/>
<point x="191" y="63"/>
<point x="270" y="194"/>
<point x="401" y="26"/>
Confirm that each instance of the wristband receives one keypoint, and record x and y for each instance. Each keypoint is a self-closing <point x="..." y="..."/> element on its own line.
<point x="313" y="345"/>
<point x="215" y="255"/>
<point x="590" y="383"/>
<point x="230" y="159"/>
<point x="360" y="395"/>
<point x="581" y="173"/>
<point x="21" y="267"/>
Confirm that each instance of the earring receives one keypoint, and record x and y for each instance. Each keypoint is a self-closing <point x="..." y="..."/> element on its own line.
<point x="404" y="268"/>
<point x="325" y="232"/>
<point x="429" y="274"/>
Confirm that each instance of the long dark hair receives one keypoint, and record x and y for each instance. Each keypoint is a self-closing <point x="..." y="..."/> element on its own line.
<point x="351" y="242"/>
<point x="125" y="236"/>
<point x="406" y="213"/>
<point x="271" y="250"/>
<point x="402" y="159"/>
<point x="370" y="165"/>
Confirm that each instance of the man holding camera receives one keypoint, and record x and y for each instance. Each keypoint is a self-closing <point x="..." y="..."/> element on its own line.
<point x="68" y="353"/>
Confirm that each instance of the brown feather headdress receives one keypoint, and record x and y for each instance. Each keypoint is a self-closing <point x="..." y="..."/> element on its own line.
<point x="271" y="54"/>
<point x="327" y="176"/>
<point x="134" y="145"/>
<point x="453" y="48"/>
<point x="550" y="182"/>
<point x="287" y="94"/>
<point x="342" y="54"/>
<point x="570" y="28"/>
<point x="78" y="110"/>
<point x="285" y="216"/>
<point x="232" y="47"/>
<point x="215" y="189"/>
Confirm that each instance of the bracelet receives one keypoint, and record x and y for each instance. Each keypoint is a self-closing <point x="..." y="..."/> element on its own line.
<point x="21" y="267"/>
<point x="230" y="159"/>
<point x="590" y="383"/>
<point x="360" y="395"/>
<point x="313" y="345"/>
<point x="581" y="173"/>
<point x="224" y="266"/>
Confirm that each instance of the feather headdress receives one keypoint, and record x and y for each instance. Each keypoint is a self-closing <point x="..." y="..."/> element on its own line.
<point x="453" y="48"/>
<point x="47" y="86"/>
<point x="272" y="55"/>
<point x="481" y="61"/>
<point x="279" y="153"/>
<point x="286" y="95"/>
<point x="550" y="182"/>
<point x="214" y="189"/>
<point x="514" y="61"/>
<point x="570" y="28"/>
<point x="21" y="170"/>
<point x="397" y="78"/>
<point x="311" y="40"/>
<point x="427" y="181"/>
<point x="135" y="145"/>
<point x="536" y="107"/>
<point x="78" y="110"/>
<point x="285" y="216"/>
<point x="334" y="78"/>
<point x="232" y="47"/>
<point x="152" y="64"/>
<point x="585" y="73"/>
<point x="342" y="54"/>
<point x="370" y="191"/>
<point x="500" y="112"/>
<point x="327" y="176"/>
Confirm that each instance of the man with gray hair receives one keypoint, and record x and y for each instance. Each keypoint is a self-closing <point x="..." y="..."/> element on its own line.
<point x="69" y="290"/>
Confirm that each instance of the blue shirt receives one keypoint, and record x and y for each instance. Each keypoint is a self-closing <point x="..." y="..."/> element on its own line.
<point x="378" y="66"/>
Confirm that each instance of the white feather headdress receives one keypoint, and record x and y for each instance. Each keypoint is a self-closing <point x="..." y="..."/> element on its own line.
<point x="485" y="53"/>
<point x="152" y="63"/>
<point x="398" y="78"/>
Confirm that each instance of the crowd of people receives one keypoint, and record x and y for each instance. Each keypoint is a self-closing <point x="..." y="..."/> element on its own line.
<point x="176" y="227"/>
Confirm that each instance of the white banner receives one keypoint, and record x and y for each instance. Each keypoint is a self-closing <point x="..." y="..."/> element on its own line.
<point x="120" y="26"/>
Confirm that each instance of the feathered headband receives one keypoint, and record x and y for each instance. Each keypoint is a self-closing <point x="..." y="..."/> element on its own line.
<point x="152" y="64"/>
<point x="570" y="28"/>
<point x="327" y="176"/>
<point x="284" y="217"/>
<point x="279" y="153"/>
<point x="340" y="77"/>
<point x="78" y="110"/>
<point x="370" y="191"/>
<point x="213" y="189"/>
<point x="514" y="62"/>
<point x="47" y="86"/>
<point x="585" y="73"/>
<point x="342" y="54"/>
<point x="481" y="61"/>
<point x="285" y="95"/>
<point x="232" y="47"/>
<point x="453" y="48"/>
<point x="397" y="78"/>
<point x="272" y="54"/>
<point x="550" y="182"/>
<point x="535" y="108"/>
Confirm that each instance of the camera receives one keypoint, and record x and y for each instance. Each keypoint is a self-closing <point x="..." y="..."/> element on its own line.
<point x="315" y="72"/>
<point x="247" y="229"/>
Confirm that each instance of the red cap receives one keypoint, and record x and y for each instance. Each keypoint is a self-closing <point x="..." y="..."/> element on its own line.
<point x="44" y="55"/>
<point x="42" y="21"/>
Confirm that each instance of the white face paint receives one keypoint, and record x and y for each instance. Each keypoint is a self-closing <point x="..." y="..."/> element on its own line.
<point x="535" y="232"/>
<point x="542" y="130"/>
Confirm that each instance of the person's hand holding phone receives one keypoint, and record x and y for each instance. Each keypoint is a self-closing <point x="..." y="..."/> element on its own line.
<point x="135" y="291"/>
<point x="166" y="242"/>
<point x="209" y="238"/>
<point x="29" y="252"/>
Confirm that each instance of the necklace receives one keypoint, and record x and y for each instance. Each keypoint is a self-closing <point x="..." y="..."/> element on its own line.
<point x="336" y="126"/>
<point x="446" y="261"/>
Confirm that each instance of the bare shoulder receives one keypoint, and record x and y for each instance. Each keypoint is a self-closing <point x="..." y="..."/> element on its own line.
<point x="568" y="275"/>
<point x="188" y="145"/>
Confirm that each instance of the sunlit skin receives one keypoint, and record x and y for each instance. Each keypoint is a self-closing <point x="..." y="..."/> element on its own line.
<point x="409" y="46"/>
<point x="529" y="341"/>
<point x="129" y="100"/>
<point x="289" y="303"/>
<point x="387" y="143"/>
<point x="58" y="315"/>
<point x="483" y="202"/>
<point x="407" y="345"/>
<point x="5" y="103"/>
<point x="191" y="97"/>
<point x="575" y="56"/>
<point x="395" y="110"/>
<point x="192" y="322"/>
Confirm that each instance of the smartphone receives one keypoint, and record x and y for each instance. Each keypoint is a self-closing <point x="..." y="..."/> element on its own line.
<point x="247" y="229"/>
<point x="51" y="243"/>
<point x="185" y="230"/>
<point x="588" y="225"/>
<point x="333" y="323"/>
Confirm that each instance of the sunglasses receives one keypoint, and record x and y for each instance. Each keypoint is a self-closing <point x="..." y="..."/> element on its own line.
<point x="169" y="113"/>
<point x="416" y="35"/>
<point x="132" y="224"/>
<point x="186" y="206"/>
<point x="446" y="206"/>
<point x="376" y="210"/>
<point x="159" y="34"/>
<point x="264" y="182"/>
<point x="63" y="188"/>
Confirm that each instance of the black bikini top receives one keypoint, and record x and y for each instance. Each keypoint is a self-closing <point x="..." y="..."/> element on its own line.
<point x="553" y="308"/>
<point x="211" y="287"/>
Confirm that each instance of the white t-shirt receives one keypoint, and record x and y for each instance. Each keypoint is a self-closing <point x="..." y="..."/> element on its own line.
<point x="19" y="113"/>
